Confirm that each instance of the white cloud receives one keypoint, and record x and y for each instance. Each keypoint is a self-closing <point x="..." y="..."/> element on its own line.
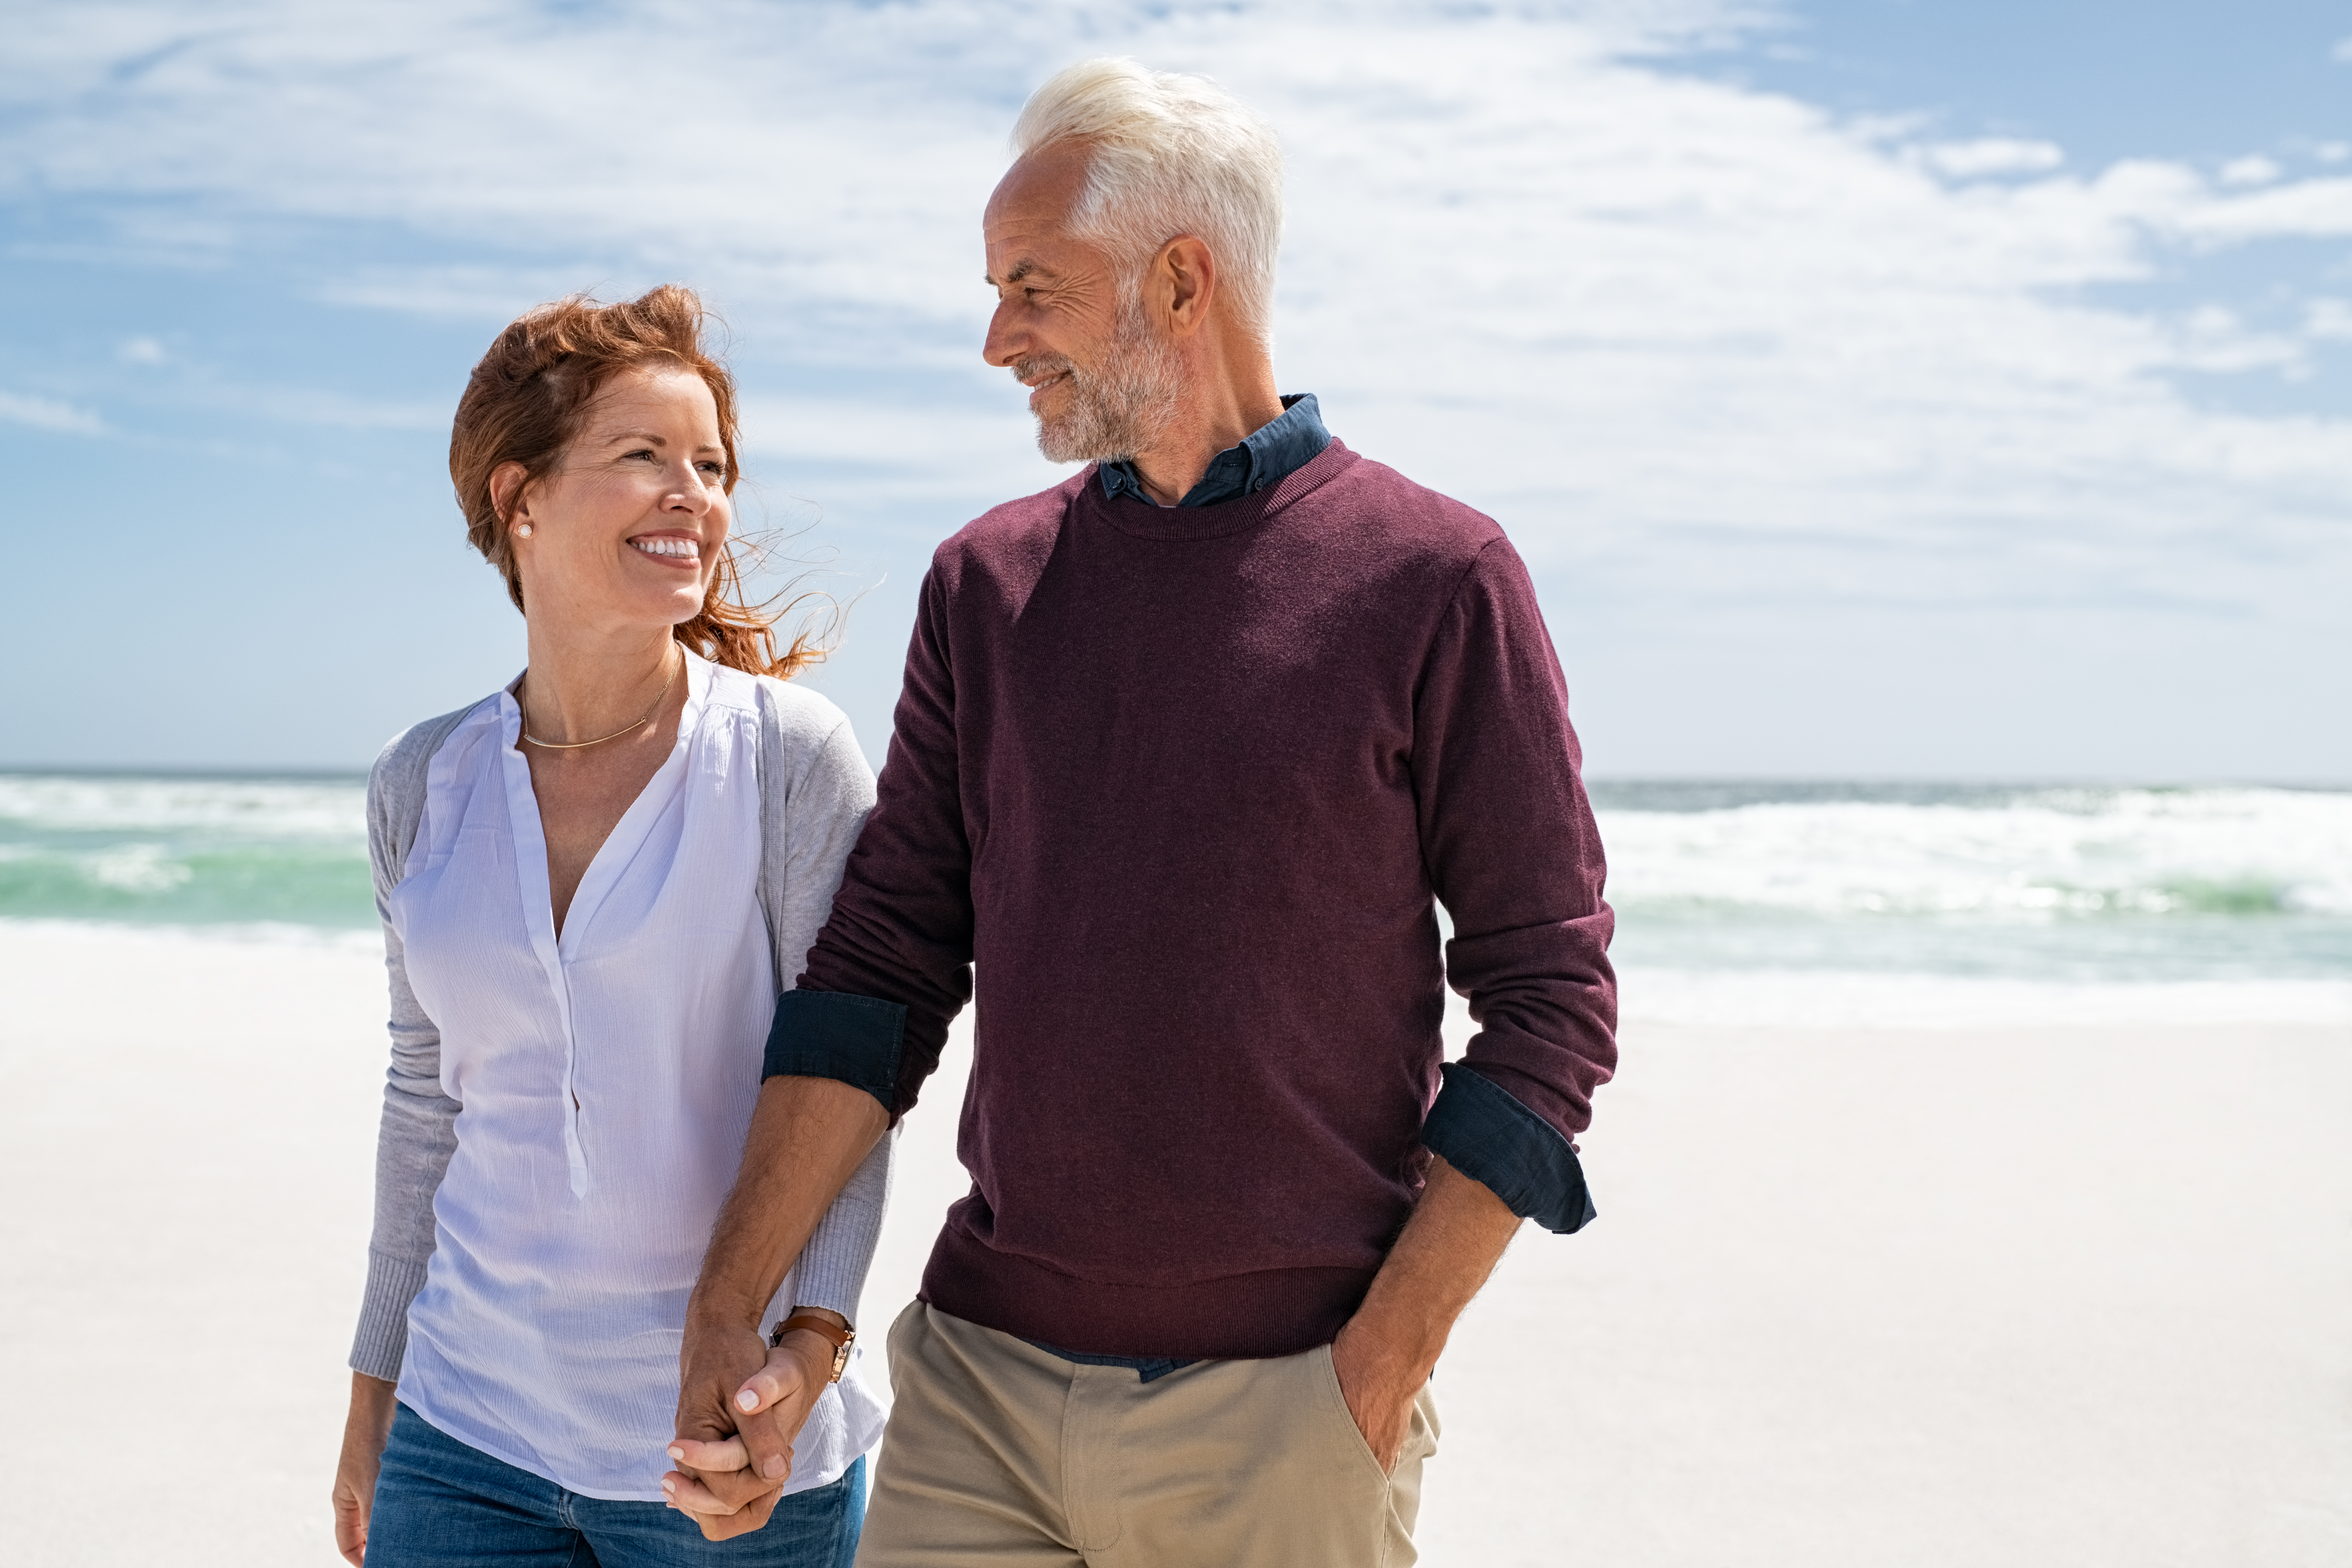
<point x="456" y="291"/>
<point x="312" y="405"/>
<point x="2216" y="340"/>
<point x="927" y="452"/>
<point x="1529" y="259"/>
<point x="2330" y="321"/>
<point x="48" y="413"/>
<point x="1996" y="155"/>
<point x="2251" y="170"/>
<point x="2301" y="209"/>
<point x="2343" y="50"/>
<point x="142" y="351"/>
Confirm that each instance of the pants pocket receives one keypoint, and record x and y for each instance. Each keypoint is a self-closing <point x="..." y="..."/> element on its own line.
<point x="1336" y="1402"/>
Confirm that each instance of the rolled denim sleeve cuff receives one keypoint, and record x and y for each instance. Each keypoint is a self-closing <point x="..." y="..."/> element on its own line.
<point x="1494" y="1139"/>
<point x="854" y="1040"/>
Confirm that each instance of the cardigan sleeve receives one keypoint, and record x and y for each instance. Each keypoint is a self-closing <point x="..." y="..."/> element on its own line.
<point x="418" y="1132"/>
<point x="809" y="826"/>
<point x="893" y="964"/>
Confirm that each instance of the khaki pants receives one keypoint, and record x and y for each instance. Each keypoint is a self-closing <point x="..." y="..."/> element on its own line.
<point x="1001" y="1455"/>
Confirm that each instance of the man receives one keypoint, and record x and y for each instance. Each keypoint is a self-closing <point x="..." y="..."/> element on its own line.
<point x="1189" y="747"/>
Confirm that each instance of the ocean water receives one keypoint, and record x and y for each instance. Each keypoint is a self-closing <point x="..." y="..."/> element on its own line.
<point x="254" y="853"/>
<point x="2069" y="883"/>
<point x="1822" y="902"/>
<point x="1835" y="903"/>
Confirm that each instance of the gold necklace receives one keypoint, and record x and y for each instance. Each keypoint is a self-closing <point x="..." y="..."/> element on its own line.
<point x="576" y="745"/>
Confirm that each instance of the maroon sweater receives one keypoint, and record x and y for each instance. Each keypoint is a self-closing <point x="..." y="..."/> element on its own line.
<point x="1183" y="783"/>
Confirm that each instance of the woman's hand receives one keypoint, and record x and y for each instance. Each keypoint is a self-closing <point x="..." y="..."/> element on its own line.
<point x="364" y="1432"/>
<point x="735" y="1435"/>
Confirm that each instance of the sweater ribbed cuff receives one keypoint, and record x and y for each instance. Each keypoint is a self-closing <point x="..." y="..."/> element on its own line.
<point x="1491" y="1137"/>
<point x="826" y="1279"/>
<point x="831" y="1272"/>
<point x="382" y="1341"/>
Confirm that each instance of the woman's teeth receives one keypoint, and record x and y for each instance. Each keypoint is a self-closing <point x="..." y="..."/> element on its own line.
<point x="685" y="548"/>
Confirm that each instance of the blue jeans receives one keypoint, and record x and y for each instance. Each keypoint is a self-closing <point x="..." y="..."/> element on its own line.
<point x="441" y="1504"/>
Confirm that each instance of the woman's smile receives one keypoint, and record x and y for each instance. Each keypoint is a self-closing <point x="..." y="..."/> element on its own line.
<point x="671" y="549"/>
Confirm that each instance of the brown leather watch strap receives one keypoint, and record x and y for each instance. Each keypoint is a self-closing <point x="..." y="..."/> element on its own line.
<point x="840" y="1338"/>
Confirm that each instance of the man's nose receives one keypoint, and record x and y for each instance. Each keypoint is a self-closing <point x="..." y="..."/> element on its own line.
<point x="1005" y="340"/>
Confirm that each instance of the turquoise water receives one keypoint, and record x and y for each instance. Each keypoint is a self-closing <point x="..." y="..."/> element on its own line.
<point x="2030" y="882"/>
<point x="2037" y="883"/>
<point x="156" y="849"/>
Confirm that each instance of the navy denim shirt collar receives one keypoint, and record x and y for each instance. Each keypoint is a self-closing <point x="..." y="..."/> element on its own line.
<point x="1273" y="452"/>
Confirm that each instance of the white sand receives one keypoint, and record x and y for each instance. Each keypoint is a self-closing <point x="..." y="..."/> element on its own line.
<point x="1984" y="1297"/>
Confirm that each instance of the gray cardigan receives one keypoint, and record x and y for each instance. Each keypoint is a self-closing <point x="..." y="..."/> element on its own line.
<point x="814" y="792"/>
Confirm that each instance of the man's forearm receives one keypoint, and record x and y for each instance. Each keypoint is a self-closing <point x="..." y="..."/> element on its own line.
<point x="1386" y="1352"/>
<point x="808" y="1136"/>
<point x="1456" y="1234"/>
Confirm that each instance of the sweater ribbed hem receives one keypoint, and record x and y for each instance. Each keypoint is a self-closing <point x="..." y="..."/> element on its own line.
<point x="381" y="1342"/>
<point x="1242" y="1317"/>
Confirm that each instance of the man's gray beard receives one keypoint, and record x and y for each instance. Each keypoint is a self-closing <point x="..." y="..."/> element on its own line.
<point x="1123" y="404"/>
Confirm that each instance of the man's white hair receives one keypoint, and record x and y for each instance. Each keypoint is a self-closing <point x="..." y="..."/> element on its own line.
<point x="1170" y="154"/>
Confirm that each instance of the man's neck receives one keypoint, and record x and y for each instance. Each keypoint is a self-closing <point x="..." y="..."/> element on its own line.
<point x="1220" y="409"/>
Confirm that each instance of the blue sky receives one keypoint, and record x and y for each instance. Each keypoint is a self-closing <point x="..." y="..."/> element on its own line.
<point x="1873" y="388"/>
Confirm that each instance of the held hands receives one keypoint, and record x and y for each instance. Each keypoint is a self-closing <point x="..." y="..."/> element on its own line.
<point x="741" y="1405"/>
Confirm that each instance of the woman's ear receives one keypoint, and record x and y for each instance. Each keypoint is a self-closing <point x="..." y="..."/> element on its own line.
<point x="507" y="499"/>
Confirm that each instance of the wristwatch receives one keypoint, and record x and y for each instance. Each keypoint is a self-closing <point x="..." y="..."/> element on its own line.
<point x="842" y="1338"/>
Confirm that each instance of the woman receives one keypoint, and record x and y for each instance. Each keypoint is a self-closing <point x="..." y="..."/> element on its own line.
<point x="593" y="884"/>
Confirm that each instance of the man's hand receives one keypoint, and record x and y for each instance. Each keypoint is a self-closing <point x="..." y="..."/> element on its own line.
<point x="736" y="1429"/>
<point x="365" y="1429"/>
<point x="1387" y="1351"/>
<point x="740" y="1404"/>
<point x="1379" y="1382"/>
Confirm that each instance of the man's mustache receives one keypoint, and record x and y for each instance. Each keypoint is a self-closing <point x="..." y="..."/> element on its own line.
<point x="1040" y="367"/>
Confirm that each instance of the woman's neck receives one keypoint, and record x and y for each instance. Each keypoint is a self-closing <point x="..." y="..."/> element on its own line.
<point x="580" y="687"/>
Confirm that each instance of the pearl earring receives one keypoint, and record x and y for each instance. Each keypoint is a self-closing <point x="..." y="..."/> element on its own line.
<point x="523" y="531"/>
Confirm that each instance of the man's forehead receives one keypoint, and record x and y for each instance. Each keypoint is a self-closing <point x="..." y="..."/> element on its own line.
<point x="1036" y="193"/>
<point x="1027" y="252"/>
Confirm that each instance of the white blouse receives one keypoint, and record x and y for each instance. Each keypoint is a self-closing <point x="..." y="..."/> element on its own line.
<point x="604" y="1081"/>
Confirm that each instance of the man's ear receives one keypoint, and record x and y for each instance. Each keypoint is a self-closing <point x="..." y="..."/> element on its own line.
<point x="1186" y="273"/>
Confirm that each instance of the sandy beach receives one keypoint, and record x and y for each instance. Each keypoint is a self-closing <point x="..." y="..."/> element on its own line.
<point x="1991" y="1295"/>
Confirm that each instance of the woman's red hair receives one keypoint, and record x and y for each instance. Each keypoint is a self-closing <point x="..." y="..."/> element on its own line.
<point x="526" y="401"/>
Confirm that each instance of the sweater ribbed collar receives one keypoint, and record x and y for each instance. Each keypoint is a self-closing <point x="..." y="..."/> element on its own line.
<point x="1264" y="458"/>
<point x="1175" y="525"/>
